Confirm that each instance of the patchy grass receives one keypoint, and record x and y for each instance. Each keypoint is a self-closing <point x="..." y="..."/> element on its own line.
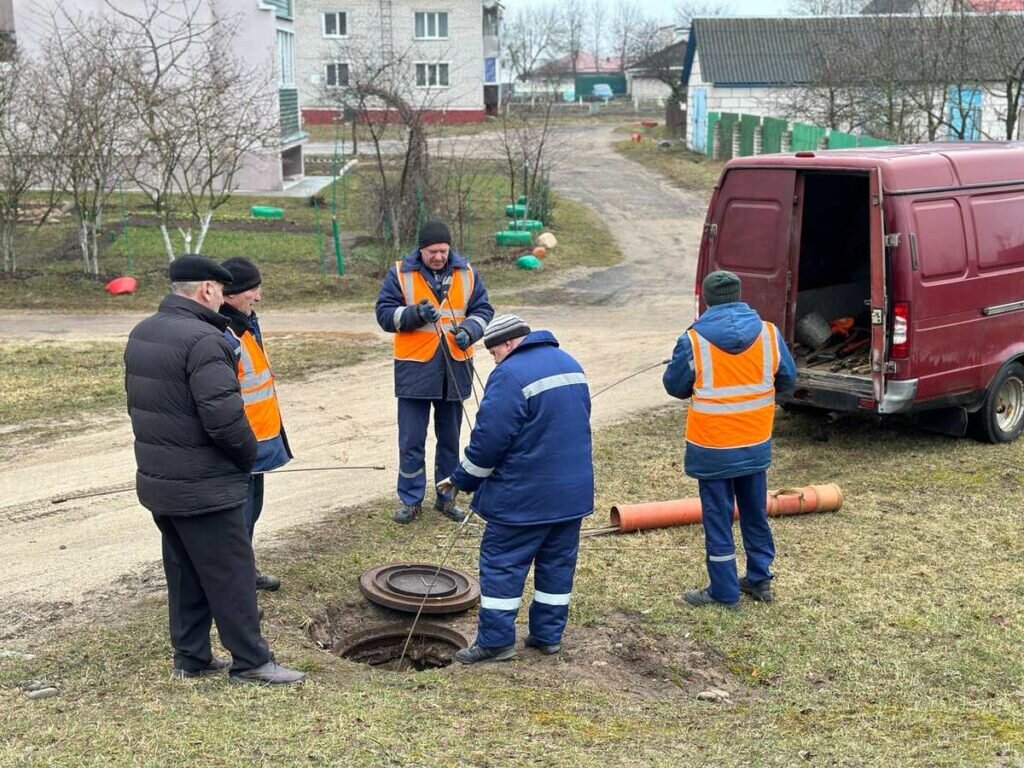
<point x="296" y="255"/>
<point x="686" y="169"/>
<point x="895" y="638"/>
<point x="46" y="380"/>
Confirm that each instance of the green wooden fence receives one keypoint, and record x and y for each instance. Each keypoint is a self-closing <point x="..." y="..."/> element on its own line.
<point x="727" y="120"/>
<point x="771" y="134"/>
<point x="803" y="137"/>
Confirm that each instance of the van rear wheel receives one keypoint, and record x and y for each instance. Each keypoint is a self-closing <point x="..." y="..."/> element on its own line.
<point x="1001" y="418"/>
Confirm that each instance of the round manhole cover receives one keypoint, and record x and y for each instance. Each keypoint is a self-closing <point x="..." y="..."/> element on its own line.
<point x="422" y="581"/>
<point x="405" y="586"/>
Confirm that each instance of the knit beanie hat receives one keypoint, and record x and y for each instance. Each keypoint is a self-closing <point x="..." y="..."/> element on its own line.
<point x="504" y="328"/>
<point x="434" y="232"/>
<point x="243" y="273"/>
<point x="720" y="287"/>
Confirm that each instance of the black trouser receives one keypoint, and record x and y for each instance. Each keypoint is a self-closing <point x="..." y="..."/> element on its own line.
<point x="253" y="503"/>
<point x="211" y="575"/>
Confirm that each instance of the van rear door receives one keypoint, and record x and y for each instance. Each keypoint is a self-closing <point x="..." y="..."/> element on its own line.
<point x="879" y="300"/>
<point x="750" y="235"/>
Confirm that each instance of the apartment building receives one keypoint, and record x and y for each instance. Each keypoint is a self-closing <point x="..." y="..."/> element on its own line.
<point x="266" y="40"/>
<point x="440" y="56"/>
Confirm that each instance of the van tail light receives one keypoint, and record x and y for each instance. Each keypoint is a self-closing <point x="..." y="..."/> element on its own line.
<point x="900" y="330"/>
<point x="696" y="302"/>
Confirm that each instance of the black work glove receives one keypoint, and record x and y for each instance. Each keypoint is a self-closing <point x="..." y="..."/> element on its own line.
<point x="427" y="312"/>
<point x="462" y="338"/>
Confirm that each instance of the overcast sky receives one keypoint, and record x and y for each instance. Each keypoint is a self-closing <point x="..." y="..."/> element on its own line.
<point x="664" y="8"/>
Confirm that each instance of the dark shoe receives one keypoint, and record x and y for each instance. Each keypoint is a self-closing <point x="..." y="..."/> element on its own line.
<point x="698" y="598"/>
<point x="270" y="673"/>
<point x="761" y="592"/>
<point x="449" y="510"/>
<point x="407" y="513"/>
<point x="475" y="653"/>
<point x="547" y="650"/>
<point x="267" y="583"/>
<point x="215" y="666"/>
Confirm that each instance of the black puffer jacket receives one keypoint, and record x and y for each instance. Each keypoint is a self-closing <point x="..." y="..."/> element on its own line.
<point x="193" y="444"/>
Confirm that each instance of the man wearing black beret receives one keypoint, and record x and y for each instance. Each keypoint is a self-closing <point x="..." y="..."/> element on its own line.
<point x="436" y="306"/>
<point x="194" y="450"/>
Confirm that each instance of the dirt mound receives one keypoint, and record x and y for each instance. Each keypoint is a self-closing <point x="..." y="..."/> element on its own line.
<point x="620" y="655"/>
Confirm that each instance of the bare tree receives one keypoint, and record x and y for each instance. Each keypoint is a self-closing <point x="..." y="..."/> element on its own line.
<point x="596" y="17"/>
<point x="21" y="140"/>
<point x="530" y="35"/>
<point x="201" y="110"/>
<point x="1004" y="35"/>
<point x="574" y="17"/>
<point x="529" y="147"/>
<point x="85" y="101"/>
<point x="825" y="7"/>
<point x="688" y="10"/>
<point x="627" y="23"/>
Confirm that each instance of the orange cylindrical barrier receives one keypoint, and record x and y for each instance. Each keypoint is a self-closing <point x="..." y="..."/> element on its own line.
<point x="665" y="514"/>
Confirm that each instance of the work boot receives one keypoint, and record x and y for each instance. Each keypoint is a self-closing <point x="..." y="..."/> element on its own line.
<point x="475" y="653"/>
<point x="547" y="650"/>
<point x="449" y="510"/>
<point x="407" y="513"/>
<point x="698" y="598"/>
<point x="761" y="592"/>
<point x="270" y="673"/>
<point x="216" y="665"/>
<point x="267" y="583"/>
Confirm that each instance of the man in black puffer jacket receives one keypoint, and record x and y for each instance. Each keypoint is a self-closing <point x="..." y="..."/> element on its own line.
<point x="194" y="449"/>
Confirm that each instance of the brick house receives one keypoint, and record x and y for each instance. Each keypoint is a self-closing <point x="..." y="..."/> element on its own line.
<point x="444" y="55"/>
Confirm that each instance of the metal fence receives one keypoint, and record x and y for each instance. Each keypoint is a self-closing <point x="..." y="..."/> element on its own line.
<point x="732" y="134"/>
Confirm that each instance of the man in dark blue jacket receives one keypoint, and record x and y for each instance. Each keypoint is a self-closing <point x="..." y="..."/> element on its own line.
<point x="529" y="463"/>
<point x="730" y="364"/>
<point x="436" y="305"/>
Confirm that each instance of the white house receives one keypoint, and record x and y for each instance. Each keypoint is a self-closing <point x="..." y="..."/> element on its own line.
<point x="266" y="41"/>
<point x="446" y="54"/>
<point x="776" y="67"/>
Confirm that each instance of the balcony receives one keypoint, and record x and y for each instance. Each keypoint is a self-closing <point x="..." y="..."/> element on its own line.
<point x="291" y="122"/>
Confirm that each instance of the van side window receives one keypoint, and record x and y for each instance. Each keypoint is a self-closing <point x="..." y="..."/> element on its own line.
<point x="999" y="226"/>
<point x="942" y="249"/>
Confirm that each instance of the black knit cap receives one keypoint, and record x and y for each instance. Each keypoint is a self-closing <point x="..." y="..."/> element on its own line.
<point x="720" y="287"/>
<point x="434" y="232"/>
<point x="504" y="328"/>
<point x="191" y="268"/>
<point x="244" y="274"/>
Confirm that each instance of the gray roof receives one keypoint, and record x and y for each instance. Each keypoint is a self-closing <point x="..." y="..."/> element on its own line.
<point x="669" y="58"/>
<point x="801" y="50"/>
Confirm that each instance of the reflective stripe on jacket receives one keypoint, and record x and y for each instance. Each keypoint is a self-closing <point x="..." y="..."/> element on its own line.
<point x="420" y="344"/>
<point x="258" y="394"/>
<point x="733" y="400"/>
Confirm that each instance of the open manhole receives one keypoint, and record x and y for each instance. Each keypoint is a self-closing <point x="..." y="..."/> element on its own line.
<point x="431" y="646"/>
<point x="406" y="586"/>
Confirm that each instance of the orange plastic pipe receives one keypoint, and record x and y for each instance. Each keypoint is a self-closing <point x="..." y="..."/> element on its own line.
<point x="665" y="514"/>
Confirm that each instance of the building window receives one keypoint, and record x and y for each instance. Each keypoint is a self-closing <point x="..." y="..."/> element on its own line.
<point x="431" y="26"/>
<point x="431" y="75"/>
<point x="335" y="24"/>
<point x="336" y="75"/>
<point x="285" y="58"/>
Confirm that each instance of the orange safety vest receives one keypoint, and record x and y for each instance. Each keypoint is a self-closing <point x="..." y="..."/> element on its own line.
<point x="420" y="344"/>
<point x="258" y="394"/>
<point x="733" y="401"/>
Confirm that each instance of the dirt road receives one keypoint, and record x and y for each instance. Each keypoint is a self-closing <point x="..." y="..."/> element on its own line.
<point x="615" y="321"/>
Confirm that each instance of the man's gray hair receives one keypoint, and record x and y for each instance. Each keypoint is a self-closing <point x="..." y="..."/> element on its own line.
<point x="189" y="289"/>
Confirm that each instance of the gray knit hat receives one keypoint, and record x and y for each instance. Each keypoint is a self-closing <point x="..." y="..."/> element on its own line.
<point x="504" y="328"/>
<point x="720" y="287"/>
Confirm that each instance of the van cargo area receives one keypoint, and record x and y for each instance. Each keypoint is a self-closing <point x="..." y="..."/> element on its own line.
<point x="831" y="336"/>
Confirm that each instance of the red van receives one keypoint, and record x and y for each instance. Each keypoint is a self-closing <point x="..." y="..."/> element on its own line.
<point x="896" y="274"/>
